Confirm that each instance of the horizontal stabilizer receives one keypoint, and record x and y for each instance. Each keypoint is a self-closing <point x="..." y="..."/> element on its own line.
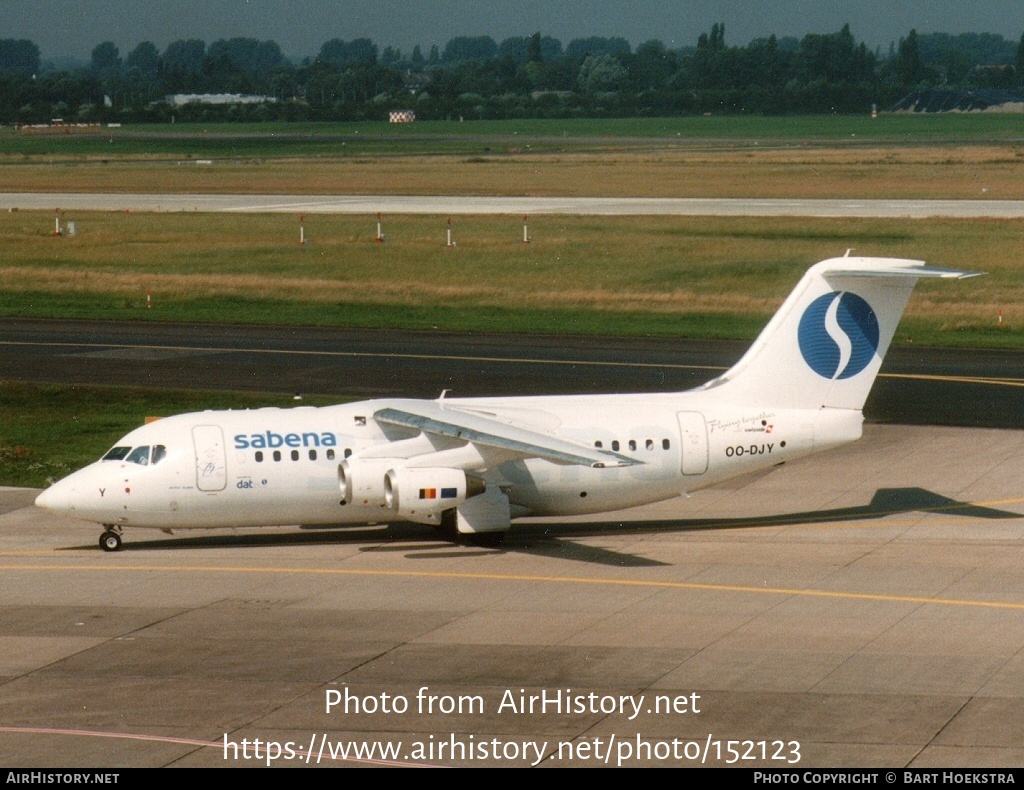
<point x="435" y="418"/>
<point x="903" y="271"/>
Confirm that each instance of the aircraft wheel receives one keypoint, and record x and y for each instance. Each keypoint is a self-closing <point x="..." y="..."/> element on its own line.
<point x="489" y="540"/>
<point x="447" y="529"/>
<point x="110" y="541"/>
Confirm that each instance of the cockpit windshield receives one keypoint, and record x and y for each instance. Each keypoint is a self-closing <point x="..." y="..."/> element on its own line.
<point x="140" y="455"/>
<point x="143" y="455"/>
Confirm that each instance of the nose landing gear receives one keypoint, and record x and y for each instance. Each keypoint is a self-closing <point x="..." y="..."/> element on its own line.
<point x="110" y="540"/>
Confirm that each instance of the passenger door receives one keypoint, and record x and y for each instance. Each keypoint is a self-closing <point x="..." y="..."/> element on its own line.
<point x="693" y="434"/>
<point x="211" y="459"/>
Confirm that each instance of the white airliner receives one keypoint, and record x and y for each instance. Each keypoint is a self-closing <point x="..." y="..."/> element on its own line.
<point x="471" y="465"/>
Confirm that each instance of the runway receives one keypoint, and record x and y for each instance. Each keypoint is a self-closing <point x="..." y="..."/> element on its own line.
<point x="864" y="608"/>
<point x="448" y="205"/>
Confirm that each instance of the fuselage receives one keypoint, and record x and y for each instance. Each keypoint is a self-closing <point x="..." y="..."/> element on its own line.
<point x="268" y="467"/>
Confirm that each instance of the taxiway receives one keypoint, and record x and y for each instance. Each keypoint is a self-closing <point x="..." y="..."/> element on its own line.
<point x="917" y="386"/>
<point x="864" y="608"/>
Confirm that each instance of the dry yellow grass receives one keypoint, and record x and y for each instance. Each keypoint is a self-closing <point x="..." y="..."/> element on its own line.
<point x="652" y="265"/>
<point x="383" y="292"/>
<point x="951" y="171"/>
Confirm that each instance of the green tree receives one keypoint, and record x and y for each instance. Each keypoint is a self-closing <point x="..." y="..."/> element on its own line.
<point x="1019" y="62"/>
<point x="417" y="61"/>
<point x="718" y="36"/>
<point x="651" y="66"/>
<point x="106" y="61"/>
<point x="18" y="56"/>
<point x="516" y="48"/>
<point x="341" y="53"/>
<point x="535" y="53"/>
<point x="144" y="60"/>
<point x="478" y="48"/>
<point x="909" y="67"/>
<point x="256" y="59"/>
<point x="141" y="68"/>
<point x="835" y="58"/>
<point x="601" y="73"/>
<point x="596" y="45"/>
<point x="181" y="66"/>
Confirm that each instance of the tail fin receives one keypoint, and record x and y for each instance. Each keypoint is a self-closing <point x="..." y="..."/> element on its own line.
<point x="824" y="346"/>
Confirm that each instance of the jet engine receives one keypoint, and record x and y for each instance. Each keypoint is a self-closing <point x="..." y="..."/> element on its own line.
<point x="423" y="494"/>
<point x="361" y="481"/>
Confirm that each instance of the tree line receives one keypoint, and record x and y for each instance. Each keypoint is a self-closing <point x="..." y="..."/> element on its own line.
<point x="520" y="77"/>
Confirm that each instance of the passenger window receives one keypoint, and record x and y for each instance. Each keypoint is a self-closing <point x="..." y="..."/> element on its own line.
<point x="277" y="455"/>
<point x="117" y="454"/>
<point x="598" y="444"/>
<point x="295" y="455"/>
<point x="348" y="452"/>
<point x="632" y="444"/>
<point x="615" y="445"/>
<point x="159" y="453"/>
<point x="330" y="454"/>
<point x="140" y="456"/>
<point x="312" y="455"/>
<point x="650" y="444"/>
<point x="665" y="444"/>
<point x="259" y="457"/>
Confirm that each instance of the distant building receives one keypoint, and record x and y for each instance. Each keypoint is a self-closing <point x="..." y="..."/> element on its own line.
<point x="58" y="126"/>
<point x="959" y="100"/>
<point x="180" y="99"/>
<point x="535" y="95"/>
<point x="402" y="116"/>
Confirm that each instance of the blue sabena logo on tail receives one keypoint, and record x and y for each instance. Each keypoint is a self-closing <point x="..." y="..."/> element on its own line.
<point x="838" y="335"/>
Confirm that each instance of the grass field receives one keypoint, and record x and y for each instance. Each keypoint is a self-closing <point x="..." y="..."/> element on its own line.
<point x="285" y="139"/>
<point x="696" y="277"/>
<point x="667" y="276"/>
<point x="896" y="156"/>
<point x="960" y="172"/>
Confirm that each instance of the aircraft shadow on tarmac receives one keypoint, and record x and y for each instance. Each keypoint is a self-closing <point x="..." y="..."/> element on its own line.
<point x="555" y="539"/>
<point x="885" y="502"/>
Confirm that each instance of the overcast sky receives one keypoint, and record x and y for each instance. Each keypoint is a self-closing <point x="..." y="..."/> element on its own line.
<point x="74" y="27"/>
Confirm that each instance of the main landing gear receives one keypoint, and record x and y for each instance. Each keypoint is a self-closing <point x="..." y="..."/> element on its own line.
<point x="449" y="530"/>
<point x="110" y="540"/>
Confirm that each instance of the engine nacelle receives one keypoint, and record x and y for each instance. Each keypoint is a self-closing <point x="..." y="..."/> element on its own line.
<point x="423" y="494"/>
<point x="361" y="481"/>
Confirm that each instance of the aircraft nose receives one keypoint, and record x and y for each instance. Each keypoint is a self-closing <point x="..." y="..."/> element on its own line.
<point x="55" y="498"/>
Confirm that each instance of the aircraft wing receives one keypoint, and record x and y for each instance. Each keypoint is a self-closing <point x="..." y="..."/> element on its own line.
<point x="433" y="417"/>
